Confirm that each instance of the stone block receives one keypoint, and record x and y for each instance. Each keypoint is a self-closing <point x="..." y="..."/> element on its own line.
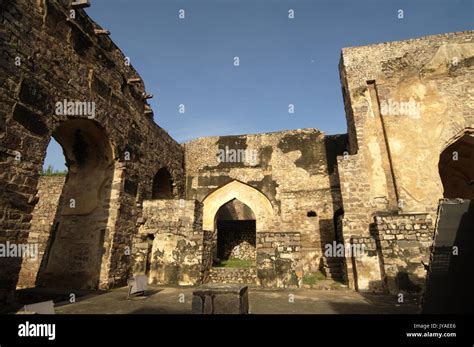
<point x="220" y="299"/>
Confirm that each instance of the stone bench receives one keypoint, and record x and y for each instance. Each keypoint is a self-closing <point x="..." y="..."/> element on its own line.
<point x="220" y="299"/>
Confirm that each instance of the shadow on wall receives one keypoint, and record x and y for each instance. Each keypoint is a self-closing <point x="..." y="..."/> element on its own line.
<point x="402" y="277"/>
<point x="331" y="265"/>
<point x="336" y="145"/>
<point x="449" y="286"/>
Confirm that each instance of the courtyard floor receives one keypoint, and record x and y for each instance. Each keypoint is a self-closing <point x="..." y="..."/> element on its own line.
<point x="177" y="300"/>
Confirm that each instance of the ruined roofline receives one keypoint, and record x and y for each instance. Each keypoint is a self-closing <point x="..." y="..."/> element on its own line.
<point x="133" y="73"/>
<point x="302" y="130"/>
<point x="412" y="40"/>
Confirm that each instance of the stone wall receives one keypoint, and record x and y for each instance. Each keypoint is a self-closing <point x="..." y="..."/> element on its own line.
<point x="404" y="244"/>
<point x="295" y="171"/>
<point x="278" y="259"/>
<point x="42" y="221"/>
<point x="176" y="254"/>
<point x="405" y="103"/>
<point x="233" y="275"/>
<point x="364" y="266"/>
<point x="48" y="57"/>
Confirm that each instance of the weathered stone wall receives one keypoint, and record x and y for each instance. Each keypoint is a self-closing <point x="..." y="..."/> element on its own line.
<point x="367" y="264"/>
<point x="278" y="259"/>
<point x="404" y="245"/>
<point x="405" y="102"/>
<point x="295" y="170"/>
<point x="233" y="275"/>
<point x="48" y="57"/>
<point x="42" y="222"/>
<point x="177" y="253"/>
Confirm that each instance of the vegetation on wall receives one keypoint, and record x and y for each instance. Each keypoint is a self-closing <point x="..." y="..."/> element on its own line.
<point x="50" y="171"/>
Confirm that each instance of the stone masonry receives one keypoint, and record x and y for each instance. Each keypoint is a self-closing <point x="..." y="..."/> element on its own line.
<point x="404" y="242"/>
<point x="49" y="190"/>
<point x="136" y="202"/>
<point x="405" y="103"/>
<point x="48" y="57"/>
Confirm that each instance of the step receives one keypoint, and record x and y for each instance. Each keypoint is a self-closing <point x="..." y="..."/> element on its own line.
<point x="233" y="275"/>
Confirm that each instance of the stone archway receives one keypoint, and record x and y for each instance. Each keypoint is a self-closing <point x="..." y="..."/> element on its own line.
<point x="456" y="167"/>
<point x="73" y="252"/>
<point x="447" y="290"/>
<point x="253" y="198"/>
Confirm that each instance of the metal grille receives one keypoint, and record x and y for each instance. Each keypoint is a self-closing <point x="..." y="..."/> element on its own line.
<point x="440" y="261"/>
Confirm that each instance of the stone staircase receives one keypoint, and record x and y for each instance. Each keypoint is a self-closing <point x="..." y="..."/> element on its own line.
<point x="333" y="268"/>
<point x="233" y="275"/>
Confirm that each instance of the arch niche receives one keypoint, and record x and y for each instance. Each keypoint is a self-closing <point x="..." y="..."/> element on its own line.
<point x="253" y="198"/>
<point x="456" y="167"/>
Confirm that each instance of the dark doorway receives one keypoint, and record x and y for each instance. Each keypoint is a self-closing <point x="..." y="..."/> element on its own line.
<point x="456" y="169"/>
<point x="236" y="234"/>
<point x="449" y="288"/>
<point x="162" y="185"/>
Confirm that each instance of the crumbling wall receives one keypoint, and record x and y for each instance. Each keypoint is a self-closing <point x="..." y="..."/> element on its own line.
<point x="404" y="242"/>
<point x="278" y="260"/>
<point x="405" y="102"/>
<point x="295" y="170"/>
<point x="42" y="222"/>
<point x="177" y="254"/>
<point x="48" y="57"/>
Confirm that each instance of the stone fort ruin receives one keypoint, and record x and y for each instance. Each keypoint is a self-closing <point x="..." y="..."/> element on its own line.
<point x="137" y="202"/>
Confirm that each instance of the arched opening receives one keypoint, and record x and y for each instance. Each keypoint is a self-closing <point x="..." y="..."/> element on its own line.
<point x="253" y="198"/>
<point x="51" y="181"/>
<point x="456" y="168"/>
<point x="162" y="185"/>
<point x="235" y="236"/>
<point x="447" y="290"/>
<point x="75" y="246"/>
<point x="234" y="213"/>
<point x="55" y="163"/>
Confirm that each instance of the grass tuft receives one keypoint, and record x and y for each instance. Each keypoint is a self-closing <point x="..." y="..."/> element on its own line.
<point x="313" y="277"/>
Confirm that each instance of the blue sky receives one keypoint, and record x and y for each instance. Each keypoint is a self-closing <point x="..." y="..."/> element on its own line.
<point x="190" y="61"/>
